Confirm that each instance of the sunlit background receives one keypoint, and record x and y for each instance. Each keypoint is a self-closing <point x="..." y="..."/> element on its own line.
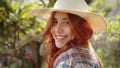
<point x="21" y="44"/>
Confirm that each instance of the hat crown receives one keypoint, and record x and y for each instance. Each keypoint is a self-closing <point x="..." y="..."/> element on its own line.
<point x="76" y="5"/>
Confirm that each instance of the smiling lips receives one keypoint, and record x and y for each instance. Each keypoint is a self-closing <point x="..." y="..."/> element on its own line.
<point x="60" y="37"/>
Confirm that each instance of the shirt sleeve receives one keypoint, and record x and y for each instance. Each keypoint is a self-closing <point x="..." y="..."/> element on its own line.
<point x="77" y="63"/>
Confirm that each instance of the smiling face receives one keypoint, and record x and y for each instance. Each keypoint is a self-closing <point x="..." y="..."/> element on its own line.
<point x="61" y="31"/>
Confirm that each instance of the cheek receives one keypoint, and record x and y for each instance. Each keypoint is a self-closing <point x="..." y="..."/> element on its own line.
<point x="70" y="34"/>
<point x="52" y="32"/>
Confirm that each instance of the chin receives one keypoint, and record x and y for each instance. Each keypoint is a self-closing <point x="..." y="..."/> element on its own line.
<point x="59" y="45"/>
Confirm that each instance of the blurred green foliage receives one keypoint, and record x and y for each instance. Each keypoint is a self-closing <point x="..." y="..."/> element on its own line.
<point x="114" y="28"/>
<point x="108" y="49"/>
<point x="16" y="25"/>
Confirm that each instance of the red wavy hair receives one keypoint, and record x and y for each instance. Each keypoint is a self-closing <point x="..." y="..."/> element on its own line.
<point x="80" y="29"/>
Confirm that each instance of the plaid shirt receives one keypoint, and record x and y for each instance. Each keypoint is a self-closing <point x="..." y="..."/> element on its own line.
<point x="77" y="58"/>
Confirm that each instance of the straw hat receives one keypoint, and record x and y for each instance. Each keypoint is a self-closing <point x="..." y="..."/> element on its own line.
<point x="78" y="7"/>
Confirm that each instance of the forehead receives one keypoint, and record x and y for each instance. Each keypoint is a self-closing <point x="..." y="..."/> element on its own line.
<point x="61" y="15"/>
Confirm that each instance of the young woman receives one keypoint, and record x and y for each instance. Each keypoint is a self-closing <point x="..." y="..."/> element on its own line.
<point x="67" y="33"/>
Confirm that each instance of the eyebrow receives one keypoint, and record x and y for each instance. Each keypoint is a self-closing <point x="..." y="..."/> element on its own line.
<point x="64" y="18"/>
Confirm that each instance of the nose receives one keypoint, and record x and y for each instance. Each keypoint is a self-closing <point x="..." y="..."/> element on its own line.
<point x="58" y="28"/>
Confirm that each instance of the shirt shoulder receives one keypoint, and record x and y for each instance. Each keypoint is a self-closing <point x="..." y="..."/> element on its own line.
<point x="76" y="57"/>
<point x="76" y="63"/>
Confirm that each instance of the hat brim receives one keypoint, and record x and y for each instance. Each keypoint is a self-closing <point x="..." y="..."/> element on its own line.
<point x="96" y="21"/>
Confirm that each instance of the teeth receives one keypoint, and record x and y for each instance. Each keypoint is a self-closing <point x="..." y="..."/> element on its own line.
<point x="59" y="37"/>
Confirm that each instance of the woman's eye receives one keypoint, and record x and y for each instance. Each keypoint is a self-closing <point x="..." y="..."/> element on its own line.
<point x="55" y="22"/>
<point x="66" y="22"/>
